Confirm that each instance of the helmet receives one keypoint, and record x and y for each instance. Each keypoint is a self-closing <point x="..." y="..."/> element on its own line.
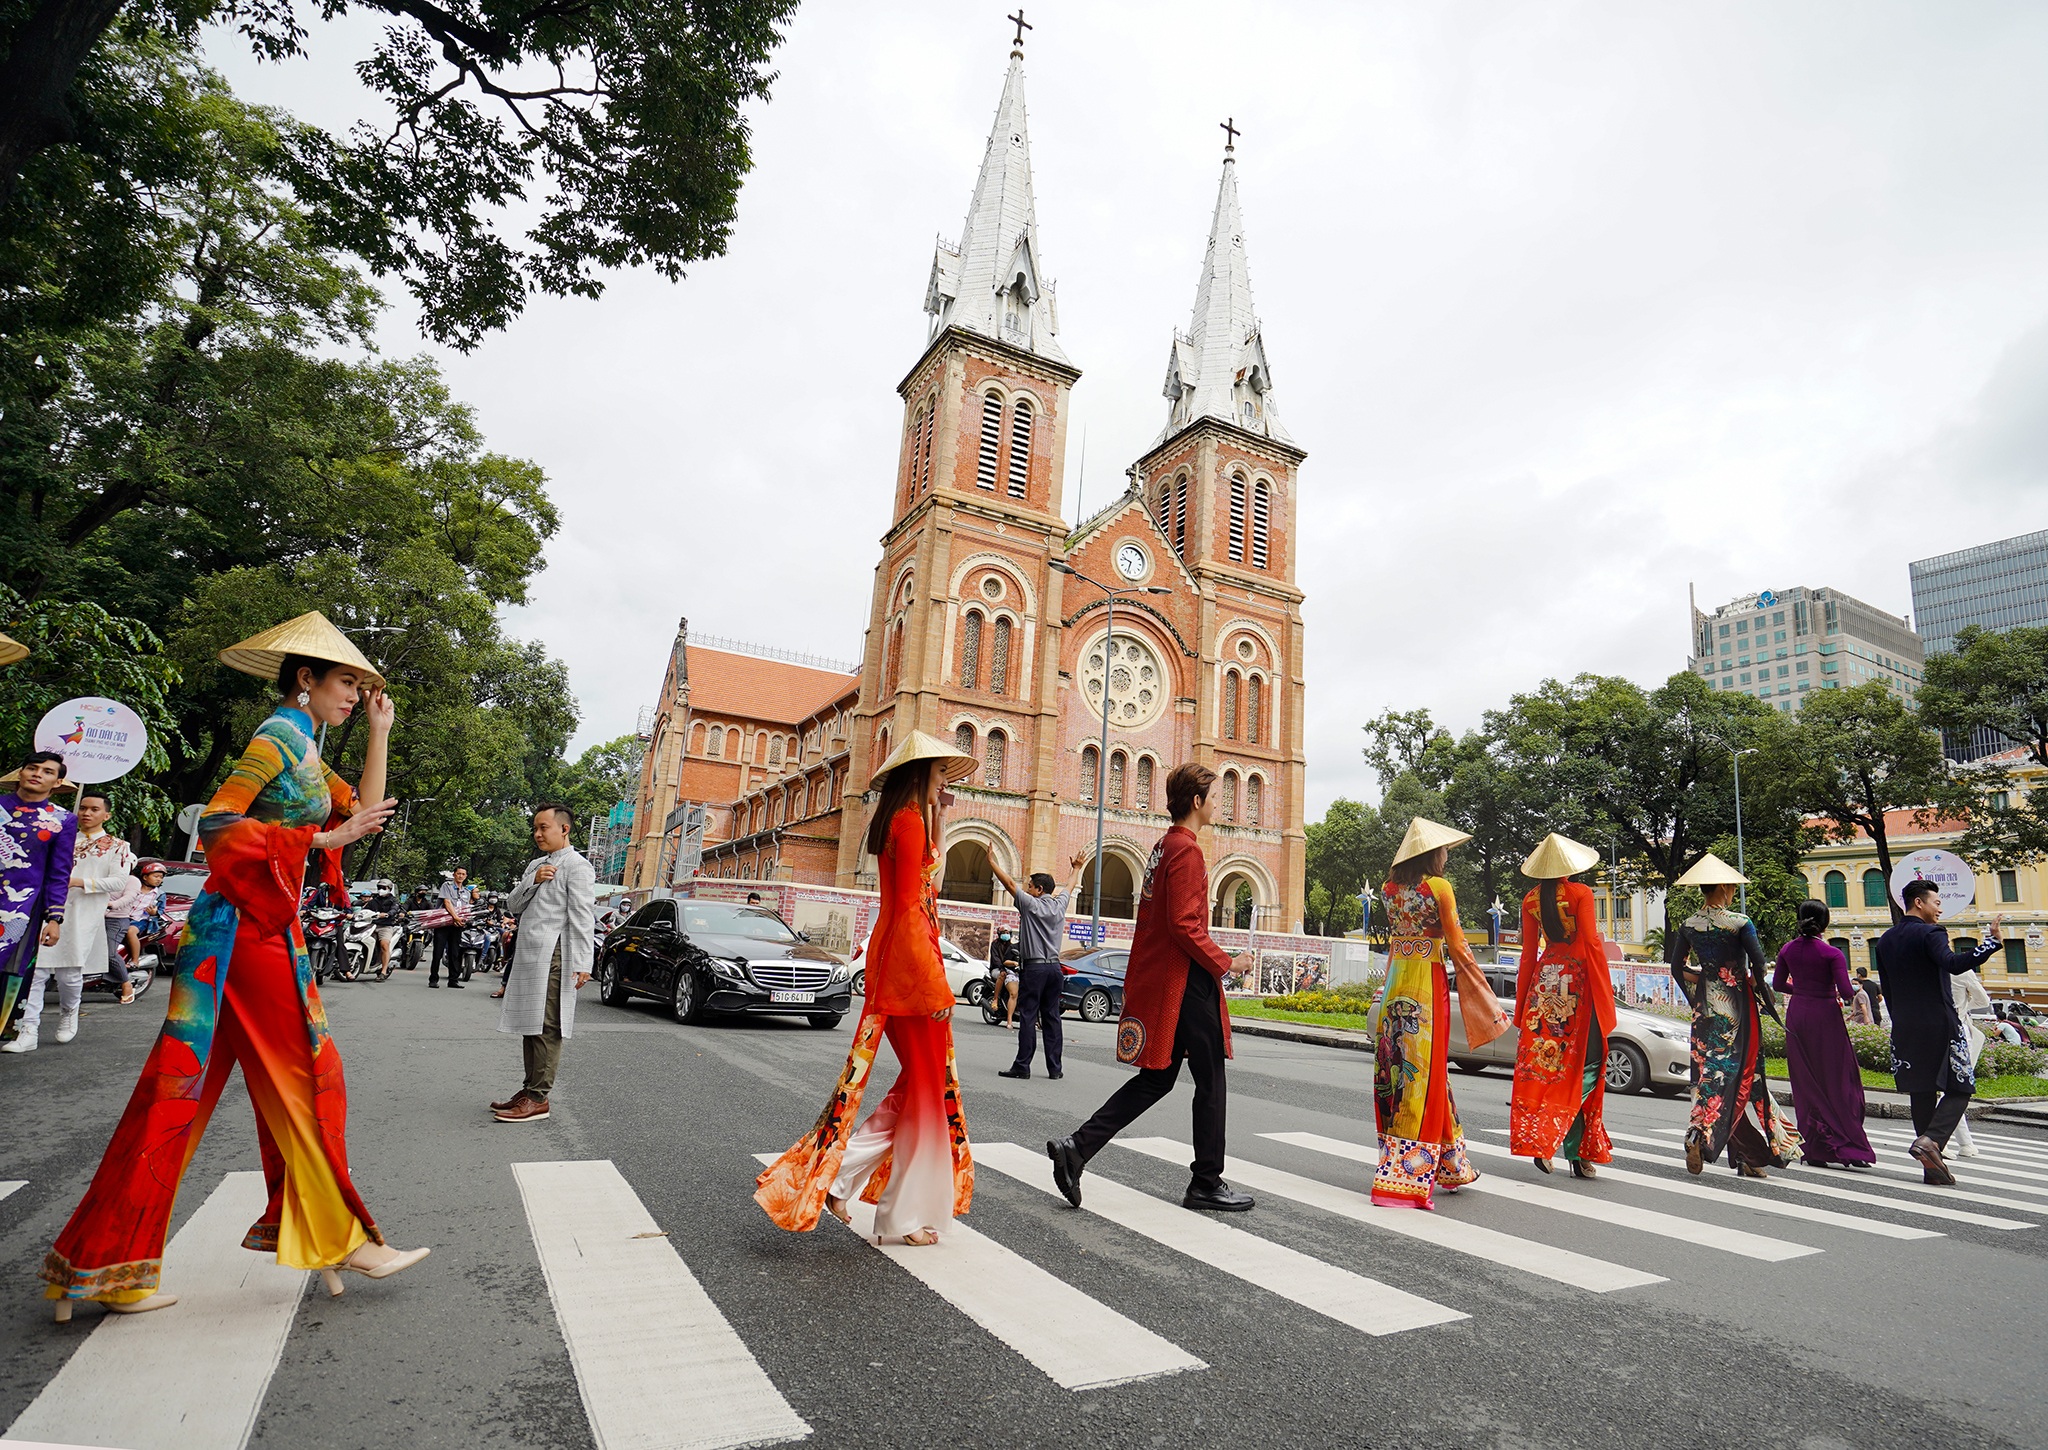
<point x="148" y="866"/>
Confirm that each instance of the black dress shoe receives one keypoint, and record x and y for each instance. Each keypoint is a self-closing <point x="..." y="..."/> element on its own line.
<point x="1220" y="1199"/>
<point x="1055" y="1075"/>
<point x="455" y="984"/>
<point x="1019" y="1072"/>
<point x="433" y="984"/>
<point x="1067" y="1164"/>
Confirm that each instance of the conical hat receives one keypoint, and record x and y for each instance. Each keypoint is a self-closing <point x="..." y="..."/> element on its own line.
<point x="311" y="635"/>
<point x="1425" y="836"/>
<point x="11" y="650"/>
<point x="919" y="746"/>
<point x="1711" y="870"/>
<point x="1557" y="857"/>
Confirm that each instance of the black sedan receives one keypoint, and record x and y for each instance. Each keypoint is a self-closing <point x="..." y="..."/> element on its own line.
<point x="1093" y="984"/>
<point x="706" y="957"/>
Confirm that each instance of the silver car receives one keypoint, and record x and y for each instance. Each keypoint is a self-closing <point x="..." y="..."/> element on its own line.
<point x="1645" y="1052"/>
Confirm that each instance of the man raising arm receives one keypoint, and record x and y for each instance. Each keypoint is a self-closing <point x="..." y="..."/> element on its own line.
<point x="1042" y="912"/>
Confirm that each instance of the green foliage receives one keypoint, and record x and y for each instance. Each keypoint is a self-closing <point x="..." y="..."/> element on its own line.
<point x="2005" y="1059"/>
<point x="1772" y="1036"/>
<point x="1873" y="1046"/>
<point x="1397" y="741"/>
<point x="1996" y="681"/>
<point x="1337" y="865"/>
<point x="1352" y="999"/>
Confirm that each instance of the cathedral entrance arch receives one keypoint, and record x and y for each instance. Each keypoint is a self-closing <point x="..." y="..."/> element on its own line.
<point x="1236" y="899"/>
<point x="1119" y="887"/>
<point x="968" y="877"/>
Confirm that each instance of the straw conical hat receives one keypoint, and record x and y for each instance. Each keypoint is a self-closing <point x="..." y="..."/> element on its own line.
<point x="1711" y="870"/>
<point x="311" y="635"/>
<point x="11" y="650"/>
<point x="1559" y="856"/>
<point x="1425" y="836"/>
<point x="919" y="746"/>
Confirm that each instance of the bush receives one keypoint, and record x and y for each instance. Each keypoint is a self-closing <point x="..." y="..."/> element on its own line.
<point x="1773" y="1036"/>
<point x="1349" y="998"/>
<point x="2002" y="1059"/>
<point x="1873" y="1046"/>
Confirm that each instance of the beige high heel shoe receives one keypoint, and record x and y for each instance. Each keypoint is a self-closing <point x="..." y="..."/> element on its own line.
<point x="140" y="1306"/>
<point x="399" y="1260"/>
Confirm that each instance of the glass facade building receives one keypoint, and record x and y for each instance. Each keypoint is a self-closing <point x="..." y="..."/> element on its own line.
<point x="1781" y="645"/>
<point x="1993" y="586"/>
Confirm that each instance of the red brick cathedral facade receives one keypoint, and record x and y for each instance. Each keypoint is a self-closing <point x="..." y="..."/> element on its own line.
<point x="974" y="636"/>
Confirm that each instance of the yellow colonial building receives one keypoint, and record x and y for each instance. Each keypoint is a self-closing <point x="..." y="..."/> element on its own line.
<point x="1845" y="875"/>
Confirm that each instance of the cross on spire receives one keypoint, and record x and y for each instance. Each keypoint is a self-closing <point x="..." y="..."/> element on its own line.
<point x="1230" y="134"/>
<point x="1022" y="26"/>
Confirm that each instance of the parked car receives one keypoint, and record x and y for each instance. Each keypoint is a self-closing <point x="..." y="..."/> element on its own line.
<point x="1645" y="1052"/>
<point x="184" y="880"/>
<point x="1093" y="984"/>
<point x="966" y="976"/>
<point x="706" y="957"/>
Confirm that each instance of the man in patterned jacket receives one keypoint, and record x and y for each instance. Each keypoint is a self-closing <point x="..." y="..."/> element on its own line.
<point x="37" y="842"/>
<point x="1173" y="1007"/>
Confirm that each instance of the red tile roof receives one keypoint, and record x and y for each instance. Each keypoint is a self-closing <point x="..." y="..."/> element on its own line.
<point x="725" y="683"/>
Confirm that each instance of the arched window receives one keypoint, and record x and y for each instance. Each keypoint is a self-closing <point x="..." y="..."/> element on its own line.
<point x="1874" y="893"/>
<point x="1251" y="708"/>
<point x="1162" y="508"/>
<point x="1020" y="448"/>
<point x="931" y="426"/>
<point x="718" y="742"/>
<point x="1237" y="520"/>
<point x="999" y="660"/>
<point x="781" y="809"/>
<point x="1091" y="761"/>
<point x="881" y="753"/>
<point x="1229" y="808"/>
<point x="775" y="750"/>
<point x="963" y="739"/>
<point x="1253" y="792"/>
<point x="998" y="748"/>
<point x="1262" y="510"/>
<point x="970" y="653"/>
<point x="1230" y="704"/>
<point x="825" y="794"/>
<point x="1835" y="889"/>
<point x="1144" y="799"/>
<point x="697" y="738"/>
<point x="916" y="449"/>
<point x="991" y="440"/>
<point x="1116" y="778"/>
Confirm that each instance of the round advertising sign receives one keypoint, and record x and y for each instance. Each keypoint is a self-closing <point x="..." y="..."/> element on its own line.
<point x="100" y="739"/>
<point x="1945" y="869"/>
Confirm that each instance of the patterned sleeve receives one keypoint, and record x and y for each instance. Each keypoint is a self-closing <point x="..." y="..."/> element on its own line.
<point x="340" y="793"/>
<point x="257" y="767"/>
<point x="257" y="865"/>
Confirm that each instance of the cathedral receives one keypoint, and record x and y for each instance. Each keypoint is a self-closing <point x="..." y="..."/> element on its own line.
<point x="992" y="622"/>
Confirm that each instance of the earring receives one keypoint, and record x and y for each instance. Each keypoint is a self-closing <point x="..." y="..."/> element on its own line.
<point x="304" y="699"/>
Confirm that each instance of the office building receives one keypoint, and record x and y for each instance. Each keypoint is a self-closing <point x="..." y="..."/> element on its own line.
<point x="1781" y="645"/>
<point x="1993" y="586"/>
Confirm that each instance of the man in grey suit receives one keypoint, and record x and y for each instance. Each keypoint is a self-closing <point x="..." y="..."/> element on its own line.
<point x="556" y="903"/>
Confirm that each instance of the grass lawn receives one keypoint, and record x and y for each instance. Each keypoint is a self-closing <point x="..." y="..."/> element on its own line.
<point x="1252" y="1007"/>
<point x="2017" y="1086"/>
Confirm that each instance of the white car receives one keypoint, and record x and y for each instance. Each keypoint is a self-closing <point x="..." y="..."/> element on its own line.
<point x="964" y="974"/>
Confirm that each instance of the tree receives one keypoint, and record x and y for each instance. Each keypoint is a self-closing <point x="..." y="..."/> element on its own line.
<point x="1487" y="797"/>
<point x="1853" y="757"/>
<point x="1398" y="740"/>
<point x="622" y="124"/>
<point x="1336" y="858"/>
<point x="1996" y="681"/>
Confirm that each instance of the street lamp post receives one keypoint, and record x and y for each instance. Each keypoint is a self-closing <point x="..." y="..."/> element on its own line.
<point x="1741" y="866"/>
<point x="1102" y="749"/>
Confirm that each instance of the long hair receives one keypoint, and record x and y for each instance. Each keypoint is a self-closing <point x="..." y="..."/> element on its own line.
<point x="903" y="786"/>
<point x="1553" y="919"/>
<point x="1813" y="918"/>
<point x="1430" y="863"/>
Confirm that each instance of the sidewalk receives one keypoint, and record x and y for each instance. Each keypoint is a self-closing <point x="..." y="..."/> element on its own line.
<point x="1877" y="1103"/>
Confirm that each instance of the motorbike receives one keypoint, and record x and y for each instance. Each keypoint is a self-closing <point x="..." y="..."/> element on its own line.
<point x="413" y="946"/>
<point x="471" y="950"/>
<point x="991" y="999"/>
<point x="322" y="926"/>
<point x="356" y="945"/>
<point x="141" y="970"/>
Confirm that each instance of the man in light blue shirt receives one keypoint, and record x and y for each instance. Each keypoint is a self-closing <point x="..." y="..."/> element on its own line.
<point x="1042" y="914"/>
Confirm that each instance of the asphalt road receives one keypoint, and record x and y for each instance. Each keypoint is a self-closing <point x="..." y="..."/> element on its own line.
<point x="1850" y="1338"/>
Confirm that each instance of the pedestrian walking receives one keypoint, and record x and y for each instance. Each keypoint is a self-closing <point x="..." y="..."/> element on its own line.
<point x="1565" y="1009"/>
<point x="454" y="897"/>
<point x="1726" y="989"/>
<point x="120" y="918"/>
<point x="1421" y="1142"/>
<point x="1041" y="920"/>
<point x="102" y="863"/>
<point x="1968" y="990"/>
<point x="243" y="993"/>
<point x="1173" y="1007"/>
<point x="1872" y="994"/>
<point x="911" y="1157"/>
<point x="556" y="903"/>
<point x="1931" y="1060"/>
<point x="38" y="843"/>
<point x="1820" y="1060"/>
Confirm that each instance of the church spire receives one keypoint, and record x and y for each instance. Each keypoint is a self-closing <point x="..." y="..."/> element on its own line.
<point x="1218" y="368"/>
<point x="992" y="283"/>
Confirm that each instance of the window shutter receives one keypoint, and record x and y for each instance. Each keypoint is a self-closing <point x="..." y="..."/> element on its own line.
<point x="970" y="653"/>
<point x="1230" y="705"/>
<point x="999" y="662"/>
<point x="1251" y="801"/>
<point x="1237" y="521"/>
<point x="1262" y="506"/>
<point x="1144" y="801"/>
<point x="1090" y="758"/>
<point x="1251" y="731"/>
<point x="1116" y="779"/>
<point x="998" y="745"/>
<point x="1020" y="448"/>
<point x="991" y="440"/>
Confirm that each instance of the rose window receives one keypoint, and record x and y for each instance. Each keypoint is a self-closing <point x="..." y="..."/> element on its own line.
<point x="1135" y="679"/>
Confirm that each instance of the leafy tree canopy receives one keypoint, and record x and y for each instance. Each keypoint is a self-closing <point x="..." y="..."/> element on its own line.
<point x="1996" y="681"/>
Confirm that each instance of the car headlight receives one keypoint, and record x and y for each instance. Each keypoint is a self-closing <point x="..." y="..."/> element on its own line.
<point x="842" y="973"/>
<point x="733" y="971"/>
<point x="1673" y="1031"/>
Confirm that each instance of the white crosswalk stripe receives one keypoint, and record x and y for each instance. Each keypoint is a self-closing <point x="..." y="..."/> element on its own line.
<point x="1647" y="1220"/>
<point x="1989" y="1159"/>
<point x="12" y="1185"/>
<point x="191" y="1377"/>
<point x="1563" y="1265"/>
<point x="1078" y="1342"/>
<point x="1337" y="1293"/>
<point x="658" y="1365"/>
<point x="1789" y="1178"/>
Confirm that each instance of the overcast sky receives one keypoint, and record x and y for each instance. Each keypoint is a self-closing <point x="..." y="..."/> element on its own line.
<point x="1570" y="305"/>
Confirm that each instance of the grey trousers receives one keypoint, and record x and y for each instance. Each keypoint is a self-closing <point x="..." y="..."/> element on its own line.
<point x="544" y="1049"/>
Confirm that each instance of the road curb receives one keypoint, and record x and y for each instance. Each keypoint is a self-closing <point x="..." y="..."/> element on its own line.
<point x="1304" y="1032"/>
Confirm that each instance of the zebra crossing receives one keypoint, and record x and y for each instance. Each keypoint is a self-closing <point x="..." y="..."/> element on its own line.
<point x="660" y="1366"/>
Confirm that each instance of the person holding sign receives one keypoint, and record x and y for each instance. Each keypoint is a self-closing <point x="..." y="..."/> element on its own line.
<point x="243" y="993"/>
<point x="36" y="846"/>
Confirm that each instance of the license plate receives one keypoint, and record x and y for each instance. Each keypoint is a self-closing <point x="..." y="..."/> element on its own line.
<point x="792" y="996"/>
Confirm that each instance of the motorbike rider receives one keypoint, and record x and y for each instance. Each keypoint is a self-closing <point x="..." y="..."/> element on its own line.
<point x="1002" y="962"/>
<point x="390" y="921"/>
<point x="146" y="913"/>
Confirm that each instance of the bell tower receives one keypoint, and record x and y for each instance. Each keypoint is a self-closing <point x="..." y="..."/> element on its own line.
<point x="962" y="640"/>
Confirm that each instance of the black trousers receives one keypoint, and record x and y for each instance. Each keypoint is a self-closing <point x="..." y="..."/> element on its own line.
<point x="1935" y="1115"/>
<point x="1198" y="1041"/>
<point x="1038" y="1000"/>
<point x="447" y="943"/>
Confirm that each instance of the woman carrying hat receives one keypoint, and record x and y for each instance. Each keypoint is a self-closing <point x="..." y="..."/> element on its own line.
<point x="1725" y="985"/>
<point x="1565" y="1009"/>
<point x="910" y="1158"/>
<point x="243" y="993"/>
<point x="1422" y="1146"/>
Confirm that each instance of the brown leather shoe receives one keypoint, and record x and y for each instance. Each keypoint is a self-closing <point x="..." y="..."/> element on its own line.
<point x="528" y="1109"/>
<point x="1932" y="1169"/>
<point x="512" y="1102"/>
